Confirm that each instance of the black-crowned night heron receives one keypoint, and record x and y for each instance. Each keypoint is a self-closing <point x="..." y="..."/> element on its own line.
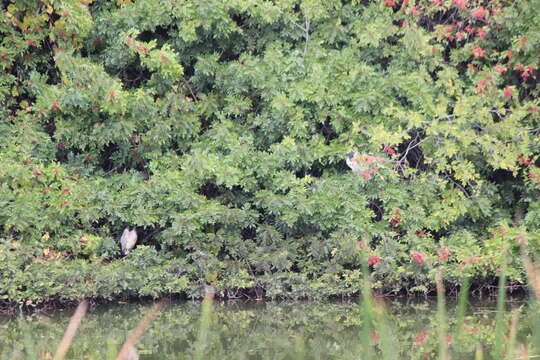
<point x="353" y="160"/>
<point x="128" y="240"/>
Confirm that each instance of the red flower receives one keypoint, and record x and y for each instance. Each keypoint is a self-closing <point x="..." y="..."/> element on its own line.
<point x="478" y="52"/>
<point x="389" y="150"/>
<point x="405" y="23"/>
<point x="507" y="92"/>
<point x="395" y="220"/>
<point x="390" y="3"/>
<point x="37" y="172"/>
<point x="462" y="4"/>
<point x="533" y="109"/>
<point x="367" y="174"/>
<point x="443" y="253"/>
<point x="502" y="229"/>
<point x="479" y="13"/>
<point x="375" y="337"/>
<point x="421" y="337"/>
<point x="523" y="42"/>
<point x="481" y="33"/>
<point x="500" y="69"/>
<point x="469" y="30"/>
<point x="519" y="67"/>
<point x="436" y="2"/>
<point x="509" y="54"/>
<point x="459" y="35"/>
<point x="418" y="257"/>
<point x="374" y="259"/>
<point x="520" y="238"/>
<point x="415" y="11"/>
<point x="369" y="159"/>
<point x="55" y="105"/>
<point x="525" y="75"/>
<point x="31" y="42"/>
<point x="481" y="87"/>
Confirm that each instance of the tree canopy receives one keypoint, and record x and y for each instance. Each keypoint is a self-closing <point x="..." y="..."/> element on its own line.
<point x="219" y="130"/>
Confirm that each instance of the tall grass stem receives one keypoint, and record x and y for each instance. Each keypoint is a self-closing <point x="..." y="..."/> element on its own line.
<point x="71" y="330"/>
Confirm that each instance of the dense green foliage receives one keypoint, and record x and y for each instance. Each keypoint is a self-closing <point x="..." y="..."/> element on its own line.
<point x="219" y="130"/>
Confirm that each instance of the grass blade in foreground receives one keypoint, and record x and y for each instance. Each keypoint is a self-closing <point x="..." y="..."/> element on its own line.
<point x="204" y="327"/>
<point x="129" y="345"/>
<point x="441" y="318"/>
<point x="533" y="275"/>
<point x="367" y="311"/>
<point x="71" y="330"/>
<point x="499" y="318"/>
<point x="462" y="305"/>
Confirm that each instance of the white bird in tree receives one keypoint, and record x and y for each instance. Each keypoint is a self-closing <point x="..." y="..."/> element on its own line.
<point x="353" y="160"/>
<point x="128" y="240"/>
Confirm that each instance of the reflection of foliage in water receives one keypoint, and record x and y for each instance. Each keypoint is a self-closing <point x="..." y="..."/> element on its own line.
<point x="258" y="331"/>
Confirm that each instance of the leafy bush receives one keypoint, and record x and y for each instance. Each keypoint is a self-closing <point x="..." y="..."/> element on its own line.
<point x="219" y="130"/>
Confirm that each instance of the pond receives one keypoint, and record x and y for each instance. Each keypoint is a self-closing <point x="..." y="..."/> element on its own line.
<point x="405" y="329"/>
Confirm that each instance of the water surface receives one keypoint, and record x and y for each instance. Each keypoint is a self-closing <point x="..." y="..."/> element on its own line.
<point x="258" y="330"/>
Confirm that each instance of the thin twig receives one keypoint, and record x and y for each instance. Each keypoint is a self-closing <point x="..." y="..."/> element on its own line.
<point x="409" y="147"/>
<point x="186" y="84"/>
<point x="305" y="29"/>
<point x="462" y="188"/>
<point x="306" y="36"/>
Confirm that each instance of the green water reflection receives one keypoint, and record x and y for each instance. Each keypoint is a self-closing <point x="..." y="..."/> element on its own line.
<point x="258" y="330"/>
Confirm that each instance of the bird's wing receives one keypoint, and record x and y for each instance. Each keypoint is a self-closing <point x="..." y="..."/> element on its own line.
<point x="349" y="162"/>
<point x="124" y="240"/>
<point x="134" y="234"/>
<point x="131" y="240"/>
<point x="353" y="162"/>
